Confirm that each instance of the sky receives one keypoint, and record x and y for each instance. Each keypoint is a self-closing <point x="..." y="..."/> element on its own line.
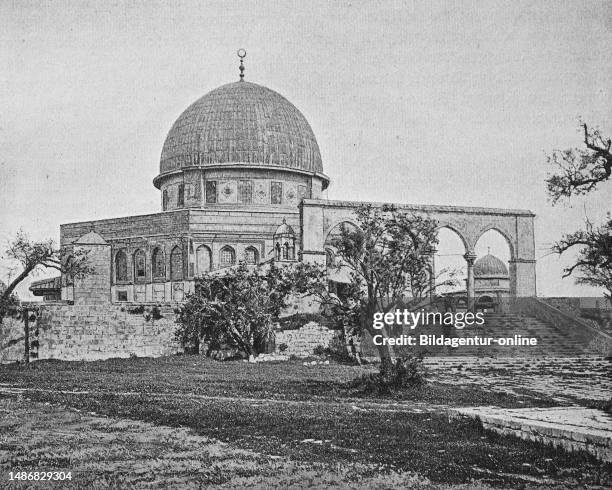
<point x="452" y="103"/>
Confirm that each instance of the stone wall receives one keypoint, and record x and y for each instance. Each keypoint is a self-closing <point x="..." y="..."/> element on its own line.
<point x="90" y="332"/>
<point x="597" y="341"/>
<point x="303" y="341"/>
<point x="12" y="338"/>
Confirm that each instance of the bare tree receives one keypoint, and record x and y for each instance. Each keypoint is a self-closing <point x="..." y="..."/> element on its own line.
<point x="579" y="172"/>
<point x="593" y="264"/>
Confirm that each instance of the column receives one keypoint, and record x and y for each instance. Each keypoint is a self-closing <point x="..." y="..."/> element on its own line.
<point x="470" y="257"/>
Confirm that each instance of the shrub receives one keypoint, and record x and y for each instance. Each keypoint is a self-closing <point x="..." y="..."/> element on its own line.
<point x="405" y="373"/>
<point x="136" y="310"/>
<point x="283" y="347"/>
<point x="156" y="313"/>
<point x="337" y="351"/>
<point x="319" y="350"/>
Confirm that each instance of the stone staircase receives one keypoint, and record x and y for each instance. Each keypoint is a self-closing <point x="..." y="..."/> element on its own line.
<point x="552" y="340"/>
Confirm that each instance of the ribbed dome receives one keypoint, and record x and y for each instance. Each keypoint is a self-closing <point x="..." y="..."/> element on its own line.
<point x="489" y="265"/>
<point x="284" y="229"/>
<point x="244" y="123"/>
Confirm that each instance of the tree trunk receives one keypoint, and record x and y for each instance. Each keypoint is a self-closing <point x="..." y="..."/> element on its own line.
<point x="26" y="331"/>
<point x="385" y="352"/>
<point x="6" y="294"/>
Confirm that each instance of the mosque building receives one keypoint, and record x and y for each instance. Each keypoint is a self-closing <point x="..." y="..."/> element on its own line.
<point x="241" y="179"/>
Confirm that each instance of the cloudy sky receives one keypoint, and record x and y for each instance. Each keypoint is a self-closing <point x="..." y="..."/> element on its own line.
<point x="425" y="102"/>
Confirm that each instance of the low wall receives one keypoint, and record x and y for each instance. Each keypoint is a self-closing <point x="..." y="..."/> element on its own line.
<point x="597" y="341"/>
<point x="303" y="341"/>
<point x="12" y="337"/>
<point x="90" y="332"/>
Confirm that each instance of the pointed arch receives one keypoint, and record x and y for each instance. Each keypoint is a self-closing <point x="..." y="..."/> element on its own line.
<point x="158" y="268"/>
<point x="121" y="266"/>
<point x="140" y="265"/>
<point x="176" y="264"/>
<point x="227" y="256"/>
<point x="251" y="256"/>
<point x="335" y="231"/>
<point x="203" y="259"/>
<point x="450" y="268"/>
<point x="506" y="237"/>
<point x="466" y="244"/>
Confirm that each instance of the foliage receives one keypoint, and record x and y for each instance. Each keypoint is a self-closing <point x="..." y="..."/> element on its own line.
<point x="337" y="351"/>
<point x="283" y="347"/>
<point x="389" y="260"/>
<point x="593" y="264"/>
<point x="31" y="256"/>
<point x="578" y="172"/>
<point x="404" y="373"/>
<point x="319" y="350"/>
<point x="234" y="309"/>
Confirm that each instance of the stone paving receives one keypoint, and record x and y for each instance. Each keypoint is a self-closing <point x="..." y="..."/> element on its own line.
<point x="565" y="380"/>
<point x="573" y="428"/>
<point x="568" y="381"/>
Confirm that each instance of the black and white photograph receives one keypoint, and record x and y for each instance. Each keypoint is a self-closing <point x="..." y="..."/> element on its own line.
<point x="305" y="245"/>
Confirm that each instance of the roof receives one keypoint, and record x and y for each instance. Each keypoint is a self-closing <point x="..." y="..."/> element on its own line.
<point x="91" y="238"/>
<point x="245" y="123"/>
<point x="44" y="286"/>
<point x="489" y="265"/>
<point x="284" y="229"/>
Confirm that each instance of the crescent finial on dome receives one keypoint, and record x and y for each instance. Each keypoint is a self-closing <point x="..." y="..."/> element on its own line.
<point x="241" y="54"/>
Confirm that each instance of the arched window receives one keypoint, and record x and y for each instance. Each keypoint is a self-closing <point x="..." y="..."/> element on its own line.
<point x="165" y="199"/>
<point x="286" y="251"/>
<point x="176" y="264"/>
<point x="157" y="263"/>
<point x="251" y="256"/>
<point x="139" y="265"/>
<point x="277" y="251"/>
<point x="291" y="252"/>
<point x="227" y="256"/>
<point x="203" y="261"/>
<point x="121" y="268"/>
<point x="180" y="197"/>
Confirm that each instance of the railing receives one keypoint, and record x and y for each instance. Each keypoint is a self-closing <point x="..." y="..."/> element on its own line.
<point x="595" y="340"/>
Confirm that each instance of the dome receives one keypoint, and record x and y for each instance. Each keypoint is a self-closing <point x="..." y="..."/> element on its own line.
<point x="242" y="123"/>
<point x="284" y="229"/>
<point x="489" y="265"/>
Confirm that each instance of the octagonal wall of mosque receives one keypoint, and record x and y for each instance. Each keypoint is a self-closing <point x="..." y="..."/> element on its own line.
<point x="237" y="188"/>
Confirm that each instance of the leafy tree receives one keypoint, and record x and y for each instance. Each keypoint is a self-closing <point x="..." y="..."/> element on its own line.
<point x="578" y="172"/>
<point x="389" y="256"/>
<point x="31" y="256"/>
<point x="236" y="308"/>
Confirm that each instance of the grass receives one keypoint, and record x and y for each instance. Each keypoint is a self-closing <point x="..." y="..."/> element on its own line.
<point x="309" y="414"/>
<point x="198" y="375"/>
